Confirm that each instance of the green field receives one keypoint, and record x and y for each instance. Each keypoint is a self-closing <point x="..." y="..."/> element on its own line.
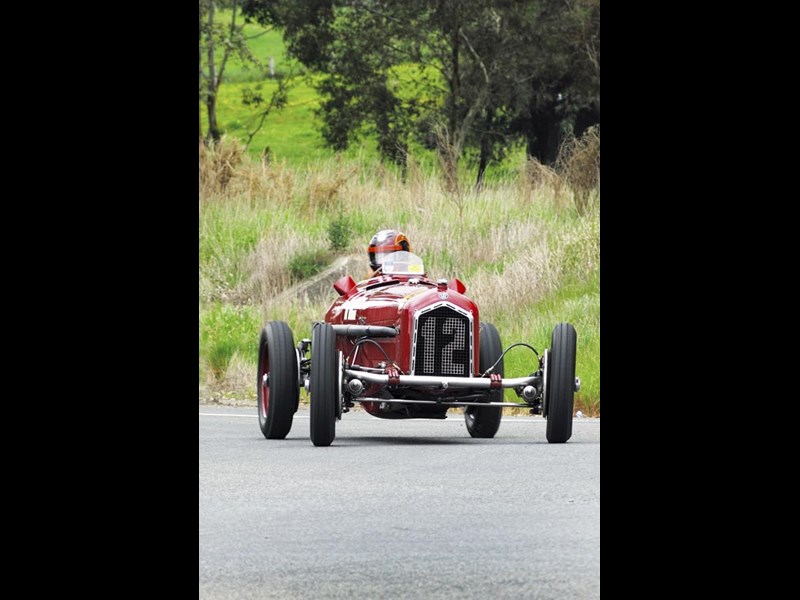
<point x="292" y="133"/>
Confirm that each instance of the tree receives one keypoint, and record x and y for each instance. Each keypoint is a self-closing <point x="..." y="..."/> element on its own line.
<point x="561" y="88"/>
<point x="360" y="45"/>
<point x="218" y="43"/>
<point x="456" y="75"/>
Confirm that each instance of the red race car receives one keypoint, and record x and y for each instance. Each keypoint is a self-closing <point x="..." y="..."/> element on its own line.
<point x="406" y="347"/>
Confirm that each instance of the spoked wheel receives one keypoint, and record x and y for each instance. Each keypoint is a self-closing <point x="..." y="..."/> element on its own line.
<point x="278" y="389"/>
<point x="559" y="392"/>
<point x="325" y="385"/>
<point x="484" y="422"/>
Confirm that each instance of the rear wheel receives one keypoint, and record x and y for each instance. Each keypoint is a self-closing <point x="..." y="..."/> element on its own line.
<point x="324" y="383"/>
<point x="278" y="390"/>
<point x="560" y="389"/>
<point x="484" y="422"/>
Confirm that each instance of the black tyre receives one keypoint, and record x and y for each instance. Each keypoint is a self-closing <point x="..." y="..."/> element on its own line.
<point x="324" y="383"/>
<point x="560" y="392"/>
<point x="279" y="396"/>
<point x="484" y="422"/>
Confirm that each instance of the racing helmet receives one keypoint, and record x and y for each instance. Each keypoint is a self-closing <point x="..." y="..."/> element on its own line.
<point x="385" y="242"/>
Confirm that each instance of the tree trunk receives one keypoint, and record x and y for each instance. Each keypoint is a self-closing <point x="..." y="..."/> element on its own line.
<point x="211" y="106"/>
<point x="586" y="117"/>
<point x="484" y="161"/>
<point x="211" y="100"/>
<point x="544" y="137"/>
<point x="486" y="149"/>
<point x="455" y="81"/>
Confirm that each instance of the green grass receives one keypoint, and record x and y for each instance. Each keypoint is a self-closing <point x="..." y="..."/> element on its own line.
<point x="225" y="331"/>
<point x="578" y="304"/>
<point x="262" y="42"/>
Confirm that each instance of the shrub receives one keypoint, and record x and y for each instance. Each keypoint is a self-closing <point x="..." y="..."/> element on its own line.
<point x="306" y="264"/>
<point x="339" y="232"/>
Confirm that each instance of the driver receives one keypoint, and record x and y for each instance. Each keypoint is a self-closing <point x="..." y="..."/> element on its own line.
<point x="385" y="242"/>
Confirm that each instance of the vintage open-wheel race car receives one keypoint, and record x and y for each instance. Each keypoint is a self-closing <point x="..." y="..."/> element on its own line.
<point x="404" y="347"/>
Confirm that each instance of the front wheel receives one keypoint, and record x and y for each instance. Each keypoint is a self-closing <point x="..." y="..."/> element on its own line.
<point x="324" y="383"/>
<point x="559" y="393"/>
<point x="278" y="390"/>
<point x="484" y="422"/>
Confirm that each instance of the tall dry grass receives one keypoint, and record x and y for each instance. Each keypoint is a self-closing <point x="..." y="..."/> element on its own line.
<point x="573" y="182"/>
<point x="219" y="161"/>
<point x="578" y="163"/>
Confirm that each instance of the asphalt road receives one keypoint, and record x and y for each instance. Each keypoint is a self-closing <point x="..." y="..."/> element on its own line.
<point x="397" y="509"/>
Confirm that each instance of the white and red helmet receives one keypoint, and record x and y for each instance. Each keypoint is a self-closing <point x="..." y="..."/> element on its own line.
<point x="385" y="242"/>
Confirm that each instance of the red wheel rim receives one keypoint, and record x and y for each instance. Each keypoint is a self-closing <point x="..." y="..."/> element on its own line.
<point x="263" y="369"/>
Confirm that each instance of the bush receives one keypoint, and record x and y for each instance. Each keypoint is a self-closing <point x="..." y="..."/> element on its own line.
<point x="339" y="232"/>
<point x="306" y="264"/>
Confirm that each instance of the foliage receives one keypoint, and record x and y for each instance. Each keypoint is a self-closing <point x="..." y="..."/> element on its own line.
<point x="483" y="72"/>
<point x="222" y="43"/>
<point x="339" y="232"/>
<point x="308" y="263"/>
<point x="218" y="42"/>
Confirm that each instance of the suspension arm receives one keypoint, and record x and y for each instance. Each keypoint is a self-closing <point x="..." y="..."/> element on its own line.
<point x="443" y="381"/>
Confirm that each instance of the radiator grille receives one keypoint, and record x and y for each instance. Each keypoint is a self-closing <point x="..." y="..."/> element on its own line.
<point x="443" y="343"/>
